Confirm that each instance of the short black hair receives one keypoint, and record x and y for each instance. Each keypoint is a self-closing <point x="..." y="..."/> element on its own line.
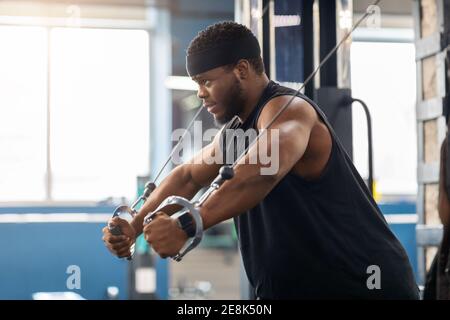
<point x="222" y="32"/>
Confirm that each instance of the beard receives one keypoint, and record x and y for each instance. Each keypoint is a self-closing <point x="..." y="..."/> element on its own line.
<point x="232" y="105"/>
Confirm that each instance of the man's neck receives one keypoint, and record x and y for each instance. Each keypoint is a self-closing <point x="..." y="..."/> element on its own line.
<point x="254" y="95"/>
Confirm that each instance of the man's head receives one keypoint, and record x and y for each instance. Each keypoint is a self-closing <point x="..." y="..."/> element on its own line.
<point x="224" y="59"/>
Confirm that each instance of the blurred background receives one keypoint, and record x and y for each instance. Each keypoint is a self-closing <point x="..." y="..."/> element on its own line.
<point x="91" y="91"/>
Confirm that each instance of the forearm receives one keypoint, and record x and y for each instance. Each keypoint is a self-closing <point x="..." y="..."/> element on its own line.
<point x="179" y="182"/>
<point x="236" y="196"/>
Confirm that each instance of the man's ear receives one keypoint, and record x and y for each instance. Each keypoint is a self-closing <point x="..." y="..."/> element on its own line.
<point x="242" y="69"/>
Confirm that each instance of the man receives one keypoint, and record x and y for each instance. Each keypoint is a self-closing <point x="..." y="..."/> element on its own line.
<point x="437" y="286"/>
<point x="310" y="230"/>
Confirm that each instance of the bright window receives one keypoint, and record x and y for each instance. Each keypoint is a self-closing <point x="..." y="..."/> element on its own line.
<point x="23" y="113"/>
<point x="384" y="76"/>
<point x="99" y="113"/>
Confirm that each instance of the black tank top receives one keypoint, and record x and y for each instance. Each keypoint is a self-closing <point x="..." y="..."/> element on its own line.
<point x="317" y="239"/>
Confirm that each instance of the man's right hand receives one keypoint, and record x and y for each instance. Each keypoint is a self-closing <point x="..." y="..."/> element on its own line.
<point x="119" y="245"/>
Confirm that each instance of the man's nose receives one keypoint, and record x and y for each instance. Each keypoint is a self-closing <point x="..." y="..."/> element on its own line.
<point x="202" y="93"/>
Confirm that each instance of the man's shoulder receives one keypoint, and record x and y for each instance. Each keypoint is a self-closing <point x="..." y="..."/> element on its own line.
<point x="292" y="107"/>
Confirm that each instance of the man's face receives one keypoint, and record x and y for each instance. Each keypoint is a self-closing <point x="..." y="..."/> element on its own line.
<point x="221" y="92"/>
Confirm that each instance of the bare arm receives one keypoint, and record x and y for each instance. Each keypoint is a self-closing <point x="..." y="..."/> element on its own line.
<point x="249" y="186"/>
<point x="443" y="202"/>
<point x="185" y="181"/>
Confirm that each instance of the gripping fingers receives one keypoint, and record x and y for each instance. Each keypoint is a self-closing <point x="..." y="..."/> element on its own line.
<point x="116" y="239"/>
<point x="121" y="245"/>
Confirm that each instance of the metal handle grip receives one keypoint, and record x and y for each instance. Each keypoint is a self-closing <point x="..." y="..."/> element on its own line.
<point x="116" y="230"/>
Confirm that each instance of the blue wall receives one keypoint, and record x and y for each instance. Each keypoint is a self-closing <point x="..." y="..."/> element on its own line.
<point x="38" y="255"/>
<point x="35" y="257"/>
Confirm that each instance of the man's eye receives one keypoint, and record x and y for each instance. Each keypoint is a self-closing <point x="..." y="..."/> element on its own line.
<point x="203" y="82"/>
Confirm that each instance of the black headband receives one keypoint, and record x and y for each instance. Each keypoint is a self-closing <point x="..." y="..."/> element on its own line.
<point x="223" y="54"/>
